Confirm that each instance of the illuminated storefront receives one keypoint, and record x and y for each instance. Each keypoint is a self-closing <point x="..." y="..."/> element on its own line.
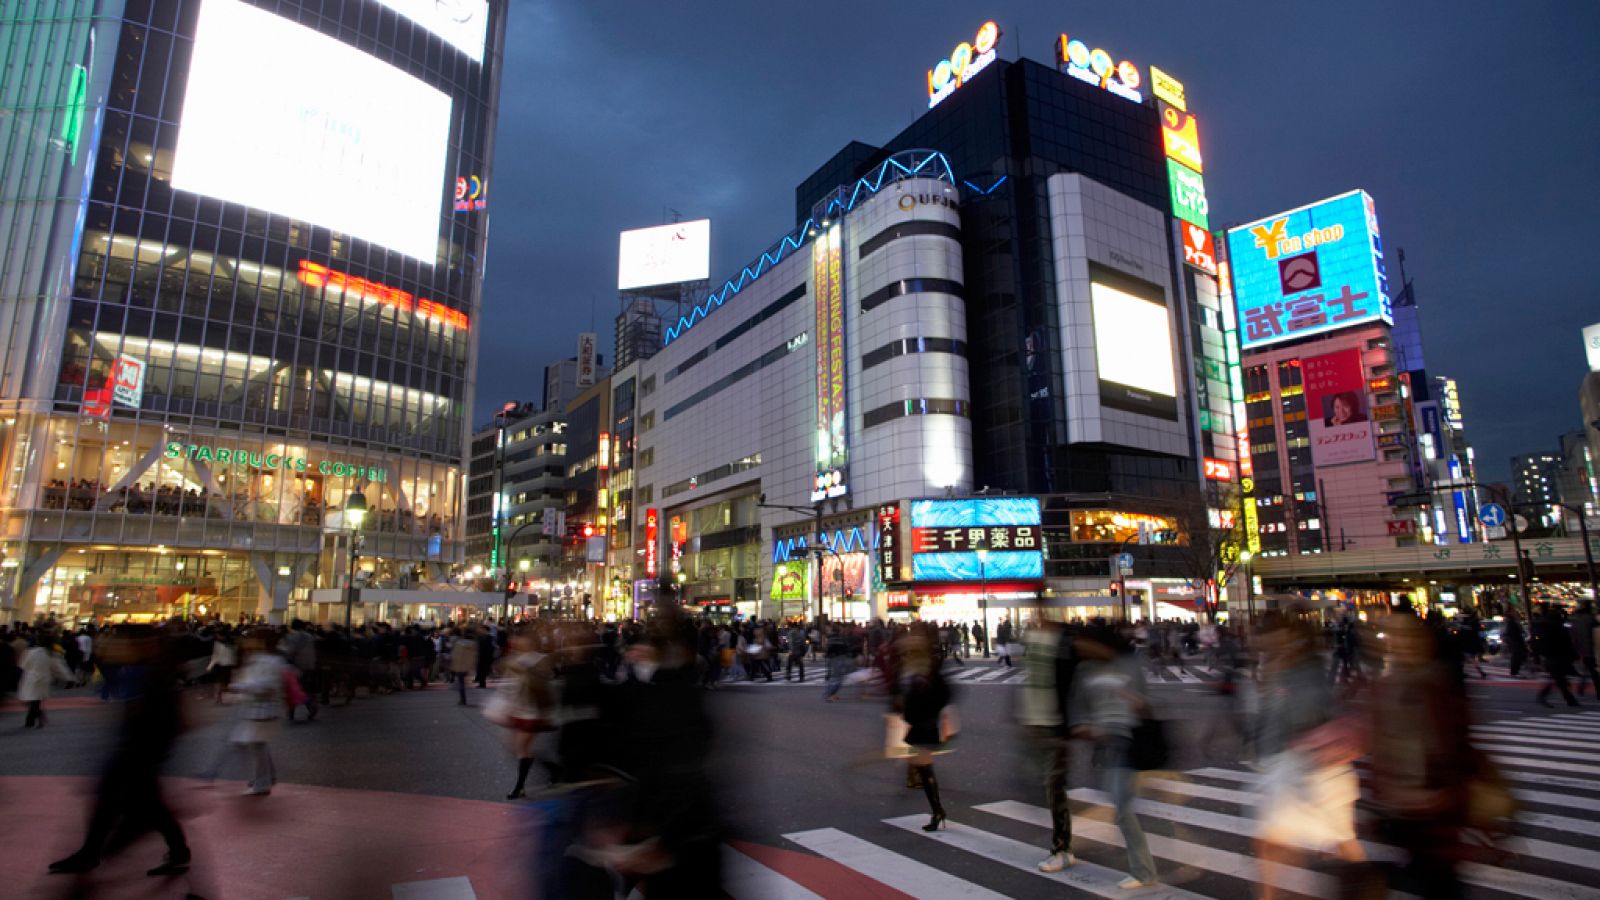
<point x="220" y="351"/>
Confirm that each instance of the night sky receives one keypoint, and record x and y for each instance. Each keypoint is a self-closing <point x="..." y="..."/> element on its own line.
<point x="1472" y="124"/>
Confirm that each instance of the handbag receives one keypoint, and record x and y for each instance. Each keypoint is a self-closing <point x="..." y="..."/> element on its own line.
<point x="894" y="737"/>
<point x="1489" y="799"/>
<point x="293" y="693"/>
<point x="1149" y="749"/>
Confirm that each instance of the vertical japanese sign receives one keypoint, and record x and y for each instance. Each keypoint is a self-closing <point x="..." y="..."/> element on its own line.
<point x="889" y="543"/>
<point x="1337" y="408"/>
<point x="586" y="359"/>
<point x="827" y="269"/>
<point x="652" y="536"/>
<point x="678" y="535"/>
<point x="1311" y="270"/>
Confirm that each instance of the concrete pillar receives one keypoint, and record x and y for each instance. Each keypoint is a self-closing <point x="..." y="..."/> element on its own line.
<point x="274" y="590"/>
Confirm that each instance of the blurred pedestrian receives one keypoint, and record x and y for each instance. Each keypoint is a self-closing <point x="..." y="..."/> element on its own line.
<point x="1516" y="641"/>
<point x="838" y="655"/>
<point x="1043" y="711"/>
<point x="525" y="705"/>
<point x="261" y="681"/>
<point x="128" y="794"/>
<point x="923" y="699"/>
<point x="1421" y="757"/>
<point x="1583" y="626"/>
<point x="797" y="652"/>
<point x="1553" y="645"/>
<point x="224" y="659"/>
<point x="299" y="649"/>
<point x="1111" y="691"/>
<point x="1309" y="785"/>
<point x="463" y="659"/>
<point x="1003" y="636"/>
<point x="42" y="665"/>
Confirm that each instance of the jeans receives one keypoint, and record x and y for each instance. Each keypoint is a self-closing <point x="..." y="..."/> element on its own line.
<point x="35" y="714"/>
<point x="799" y="659"/>
<point x="461" y="686"/>
<point x="1122" y="785"/>
<point x="838" y="667"/>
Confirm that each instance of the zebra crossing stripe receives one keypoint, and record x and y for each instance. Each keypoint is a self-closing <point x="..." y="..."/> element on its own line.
<point x="1551" y="729"/>
<point x="1547" y="798"/>
<point x="899" y="872"/>
<point x="745" y="879"/>
<point x="1085" y="876"/>
<point x="1546" y="764"/>
<point x="1526" y="736"/>
<point x="1184" y="676"/>
<point x="1201" y="791"/>
<point x="1211" y="859"/>
<point x="1493" y="745"/>
<point x="458" y="888"/>
<point x="998" y="673"/>
<point x="1522" y="884"/>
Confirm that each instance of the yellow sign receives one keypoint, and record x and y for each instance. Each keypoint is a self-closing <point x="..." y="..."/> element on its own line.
<point x="1252" y="527"/>
<point x="1180" y="138"/>
<point x="1167" y="88"/>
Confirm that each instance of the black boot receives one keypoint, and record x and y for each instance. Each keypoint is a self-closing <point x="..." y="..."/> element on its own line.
<point x="523" y="765"/>
<point x="930" y="787"/>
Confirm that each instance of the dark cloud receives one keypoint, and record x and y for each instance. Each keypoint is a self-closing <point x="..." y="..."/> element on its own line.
<point x="1472" y="124"/>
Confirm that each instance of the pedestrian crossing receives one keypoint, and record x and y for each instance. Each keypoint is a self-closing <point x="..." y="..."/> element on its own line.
<point x="1199" y="825"/>
<point x="971" y="673"/>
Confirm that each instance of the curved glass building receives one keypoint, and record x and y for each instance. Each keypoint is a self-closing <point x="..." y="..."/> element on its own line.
<point x="241" y="248"/>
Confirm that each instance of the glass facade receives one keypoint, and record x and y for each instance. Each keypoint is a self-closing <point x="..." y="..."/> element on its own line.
<point x="284" y="366"/>
<point x="1005" y="133"/>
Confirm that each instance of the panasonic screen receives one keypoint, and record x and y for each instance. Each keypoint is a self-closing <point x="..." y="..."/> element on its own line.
<point x="1133" y="346"/>
<point x="284" y="119"/>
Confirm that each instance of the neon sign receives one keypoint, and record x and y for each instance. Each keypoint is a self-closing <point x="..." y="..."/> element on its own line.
<point x="1167" y="88"/>
<point x="1219" y="469"/>
<point x="1099" y="68"/>
<point x="964" y="62"/>
<point x="317" y="275"/>
<point x="832" y="452"/>
<point x="471" y="193"/>
<point x="652" y="530"/>
<point x="1180" y="138"/>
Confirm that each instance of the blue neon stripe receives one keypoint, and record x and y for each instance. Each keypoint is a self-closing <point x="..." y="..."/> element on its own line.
<point x="931" y="165"/>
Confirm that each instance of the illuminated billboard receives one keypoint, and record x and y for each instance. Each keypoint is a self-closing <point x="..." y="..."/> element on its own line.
<point x="462" y="23"/>
<point x="1167" y="88"/>
<point x="285" y="119"/>
<point x="963" y="63"/>
<point x="1591" y="346"/>
<point x="946" y="536"/>
<point x="1189" y="201"/>
<point x="665" y="254"/>
<point x="1307" y="271"/>
<point x="1099" y="68"/>
<point x="1337" y="408"/>
<point x="832" y="449"/>
<point x="1199" y="248"/>
<point x="1133" y="345"/>
<point x="1180" y="137"/>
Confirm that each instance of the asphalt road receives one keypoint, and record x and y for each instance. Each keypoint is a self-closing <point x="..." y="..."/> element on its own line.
<point x="403" y="796"/>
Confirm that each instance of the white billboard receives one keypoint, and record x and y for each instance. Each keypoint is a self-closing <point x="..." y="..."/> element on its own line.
<point x="665" y="254"/>
<point x="462" y="23"/>
<point x="1133" y="350"/>
<point x="1591" y="346"/>
<point x="284" y="119"/>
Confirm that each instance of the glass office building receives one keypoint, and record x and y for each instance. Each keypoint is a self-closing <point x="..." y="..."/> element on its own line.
<point x="239" y="281"/>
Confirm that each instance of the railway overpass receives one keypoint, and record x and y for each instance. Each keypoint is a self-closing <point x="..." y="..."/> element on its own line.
<point x="1492" y="563"/>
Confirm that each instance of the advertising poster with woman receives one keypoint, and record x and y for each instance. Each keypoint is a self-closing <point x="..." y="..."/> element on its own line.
<point x="1337" y="408"/>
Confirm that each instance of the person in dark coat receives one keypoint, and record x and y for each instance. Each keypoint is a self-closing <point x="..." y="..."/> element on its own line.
<point x="1554" y="646"/>
<point x="1516" y="642"/>
<point x="921" y="697"/>
<point x="129" y="794"/>
<point x="485" y="656"/>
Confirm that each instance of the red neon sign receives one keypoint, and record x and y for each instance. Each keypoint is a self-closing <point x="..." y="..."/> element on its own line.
<point x="319" y="276"/>
<point x="652" y="520"/>
<point x="1219" y="469"/>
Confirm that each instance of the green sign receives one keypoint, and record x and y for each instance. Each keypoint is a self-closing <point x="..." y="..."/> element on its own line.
<point x="1189" y="201"/>
<point x="789" y="580"/>
<point x="77" y="97"/>
<point x="273" y="462"/>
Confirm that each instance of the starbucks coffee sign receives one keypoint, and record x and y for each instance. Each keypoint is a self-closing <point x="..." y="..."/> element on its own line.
<point x="273" y="462"/>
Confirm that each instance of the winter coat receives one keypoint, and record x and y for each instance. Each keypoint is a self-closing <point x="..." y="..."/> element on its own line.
<point x="39" y="668"/>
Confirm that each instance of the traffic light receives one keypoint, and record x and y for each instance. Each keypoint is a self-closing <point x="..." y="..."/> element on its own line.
<point x="511" y="591"/>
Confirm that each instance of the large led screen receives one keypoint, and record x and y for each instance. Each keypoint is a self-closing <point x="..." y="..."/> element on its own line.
<point x="946" y="536"/>
<point x="1307" y="271"/>
<point x="284" y="119"/>
<point x="1133" y="345"/>
<point x="462" y="23"/>
<point x="665" y="254"/>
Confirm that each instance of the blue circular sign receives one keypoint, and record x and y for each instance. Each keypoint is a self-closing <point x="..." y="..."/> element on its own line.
<point x="1492" y="515"/>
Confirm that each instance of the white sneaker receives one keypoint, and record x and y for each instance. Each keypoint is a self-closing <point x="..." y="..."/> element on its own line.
<point x="1131" y="883"/>
<point x="1057" y="862"/>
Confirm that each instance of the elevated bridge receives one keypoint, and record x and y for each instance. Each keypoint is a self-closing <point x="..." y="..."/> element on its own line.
<point x="1494" y="562"/>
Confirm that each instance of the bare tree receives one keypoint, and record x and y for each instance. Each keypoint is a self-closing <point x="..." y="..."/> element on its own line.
<point x="1211" y="536"/>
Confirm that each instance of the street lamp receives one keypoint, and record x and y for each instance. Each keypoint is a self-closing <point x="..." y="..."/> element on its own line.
<point x="983" y="596"/>
<point x="355" y="511"/>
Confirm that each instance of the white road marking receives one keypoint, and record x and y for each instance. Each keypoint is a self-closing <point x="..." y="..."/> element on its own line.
<point x="899" y="872"/>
